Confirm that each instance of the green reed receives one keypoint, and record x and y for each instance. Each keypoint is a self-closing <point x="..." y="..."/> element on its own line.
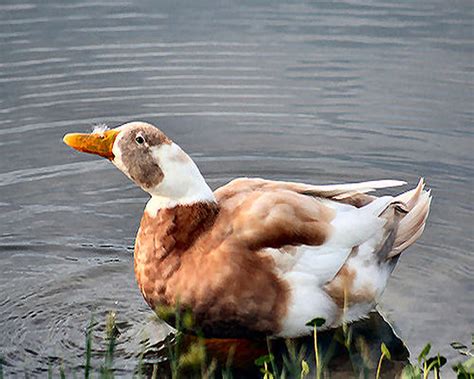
<point x="192" y="360"/>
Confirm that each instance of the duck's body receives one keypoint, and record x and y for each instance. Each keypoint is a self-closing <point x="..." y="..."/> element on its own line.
<point x="259" y="257"/>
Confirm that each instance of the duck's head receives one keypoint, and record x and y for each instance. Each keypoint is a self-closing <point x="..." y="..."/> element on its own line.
<point x="149" y="158"/>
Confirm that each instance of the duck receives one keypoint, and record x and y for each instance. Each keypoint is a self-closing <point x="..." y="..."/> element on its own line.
<point x="257" y="257"/>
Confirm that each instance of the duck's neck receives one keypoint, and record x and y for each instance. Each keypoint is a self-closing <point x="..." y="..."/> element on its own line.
<point x="157" y="203"/>
<point x="182" y="182"/>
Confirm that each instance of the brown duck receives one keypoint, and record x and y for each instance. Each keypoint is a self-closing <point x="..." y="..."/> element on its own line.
<point x="257" y="257"/>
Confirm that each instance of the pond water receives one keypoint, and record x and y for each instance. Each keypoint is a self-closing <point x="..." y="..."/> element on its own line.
<point x="321" y="92"/>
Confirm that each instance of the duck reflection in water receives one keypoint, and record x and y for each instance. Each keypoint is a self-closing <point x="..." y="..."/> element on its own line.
<point x="349" y="351"/>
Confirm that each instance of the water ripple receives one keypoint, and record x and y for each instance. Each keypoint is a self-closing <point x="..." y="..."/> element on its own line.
<point x="49" y="172"/>
<point x="317" y="92"/>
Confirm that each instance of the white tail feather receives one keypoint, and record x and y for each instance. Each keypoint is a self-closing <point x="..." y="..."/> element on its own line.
<point x="411" y="226"/>
<point x="342" y="191"/>
<point x="410" y="198"/>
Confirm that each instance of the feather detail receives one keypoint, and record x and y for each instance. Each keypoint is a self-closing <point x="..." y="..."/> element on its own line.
<point x="336" y="191"/>
<point x="99" y="128"/>
<point x="411" y="226"/>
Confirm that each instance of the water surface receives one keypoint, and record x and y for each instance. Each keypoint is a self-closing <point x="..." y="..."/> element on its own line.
<point x="317" y="92"/>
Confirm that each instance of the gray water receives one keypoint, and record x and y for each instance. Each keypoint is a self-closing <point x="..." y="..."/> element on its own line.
<point x="324" y="92"/>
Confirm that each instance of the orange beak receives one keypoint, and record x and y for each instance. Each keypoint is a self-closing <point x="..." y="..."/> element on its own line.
<point x="94" y="143"/>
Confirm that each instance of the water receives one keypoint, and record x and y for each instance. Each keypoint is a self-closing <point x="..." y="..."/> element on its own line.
<point x="322" y="93"/>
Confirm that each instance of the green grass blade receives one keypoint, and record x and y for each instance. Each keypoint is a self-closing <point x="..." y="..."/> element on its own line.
<point x="87" y="368"/>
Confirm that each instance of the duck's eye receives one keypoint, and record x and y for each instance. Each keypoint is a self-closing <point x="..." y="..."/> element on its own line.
<point x="139" y="140"/>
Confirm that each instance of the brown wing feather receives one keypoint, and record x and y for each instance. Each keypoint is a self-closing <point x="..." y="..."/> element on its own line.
<point x="263" y="214"/>
<point x="353" y="194"/>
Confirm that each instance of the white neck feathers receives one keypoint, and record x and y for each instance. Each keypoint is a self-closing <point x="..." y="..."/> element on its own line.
<point x="182" y="182"/>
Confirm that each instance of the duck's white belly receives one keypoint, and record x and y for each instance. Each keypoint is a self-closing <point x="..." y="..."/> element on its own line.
<point x="305" y="270"/>
<point x="307" y="301"/>
<point x="308" y="271"/>
<point x="309" y="298"/>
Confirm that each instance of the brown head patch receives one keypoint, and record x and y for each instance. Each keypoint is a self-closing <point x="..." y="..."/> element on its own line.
<point x="135" y="146"/>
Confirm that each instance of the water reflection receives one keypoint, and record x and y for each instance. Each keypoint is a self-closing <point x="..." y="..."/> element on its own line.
<point x="347" y="353"/>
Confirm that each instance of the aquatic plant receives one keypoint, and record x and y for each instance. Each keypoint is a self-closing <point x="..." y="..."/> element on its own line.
<point x="316" y="323"/>
<point x="464" y="369"/>
<point x="385" y="354"/>
<point x="193" y="356"/>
